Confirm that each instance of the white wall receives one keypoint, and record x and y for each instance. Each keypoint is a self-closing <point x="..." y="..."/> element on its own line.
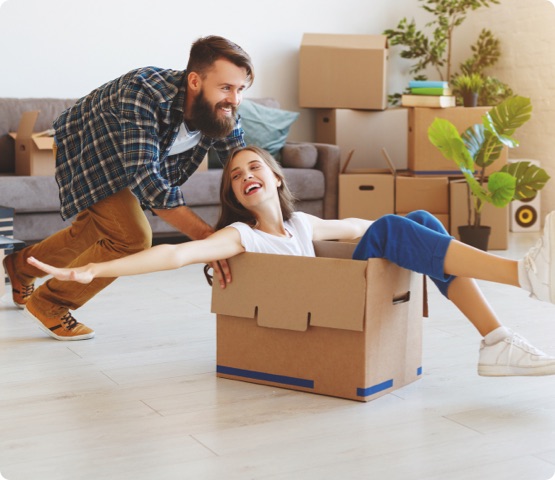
<point x="65" y="48"/>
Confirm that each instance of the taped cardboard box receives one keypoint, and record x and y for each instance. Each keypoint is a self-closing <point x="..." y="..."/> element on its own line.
<point x="494" y="217"/>
<point x="34" y="154"/>
<point x="343" y="71"/>
<point x="366" y="132"/>
<point x="327" y="325"/>
<point x="426" y="159"/>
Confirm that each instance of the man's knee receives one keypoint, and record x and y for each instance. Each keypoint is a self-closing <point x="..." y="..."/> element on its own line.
<point x="141" y="238"/>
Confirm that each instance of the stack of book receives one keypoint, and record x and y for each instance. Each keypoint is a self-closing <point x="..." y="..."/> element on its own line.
<point x="428" y="93"/>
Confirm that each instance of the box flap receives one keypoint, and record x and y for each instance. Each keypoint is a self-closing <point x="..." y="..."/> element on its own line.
<point x="27" y="124"/>
<point x="325" y="248"/>
<point x="43" y="143"/>
<point x="289" y="292"/>
<point x="390" y="166"/>
<point x="328" y="40"/>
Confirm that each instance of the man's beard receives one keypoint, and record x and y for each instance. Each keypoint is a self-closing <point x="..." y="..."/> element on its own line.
<point x="205" y="117"/>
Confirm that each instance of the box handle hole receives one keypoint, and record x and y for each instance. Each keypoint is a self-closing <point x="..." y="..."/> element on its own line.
<point x="402" y="298"/>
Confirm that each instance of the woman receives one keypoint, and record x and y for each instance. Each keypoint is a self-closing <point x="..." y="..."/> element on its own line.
<point x="258" y="216"/>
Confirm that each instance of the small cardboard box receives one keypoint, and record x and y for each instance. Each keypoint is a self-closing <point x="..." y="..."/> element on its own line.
<point x="494" y="217"/>
<point x="422" y="193"/>
<point x="366" y="193"/>
<point x="366" y="132"/>
<point x="426" y="159"/>
<point x="34" y="153"/>
<point x="343" y="71"/>
<point x="333" y="326"/>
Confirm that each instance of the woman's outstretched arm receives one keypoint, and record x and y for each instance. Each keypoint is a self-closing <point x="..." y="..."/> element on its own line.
<point x="346" y="229"/>
<point x="220" y="245"/>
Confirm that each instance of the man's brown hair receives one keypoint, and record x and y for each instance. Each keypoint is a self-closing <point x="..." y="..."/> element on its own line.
<point x="206" y="50"/>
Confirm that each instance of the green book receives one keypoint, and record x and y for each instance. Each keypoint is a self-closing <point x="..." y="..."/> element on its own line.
<point x="430" y="91"/>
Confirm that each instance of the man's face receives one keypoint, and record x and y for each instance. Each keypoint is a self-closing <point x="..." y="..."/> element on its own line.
<point x="214" y="107"/>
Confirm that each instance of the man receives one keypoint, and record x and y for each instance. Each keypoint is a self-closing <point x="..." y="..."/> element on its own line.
<point x="125" y="147"/>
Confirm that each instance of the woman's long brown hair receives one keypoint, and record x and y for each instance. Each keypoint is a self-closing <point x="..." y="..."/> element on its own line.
<point x="232" y="211"/>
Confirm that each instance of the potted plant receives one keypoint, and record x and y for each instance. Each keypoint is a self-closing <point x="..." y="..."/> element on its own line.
<point x="468" y="87"/>
<point x="478" y="147"/>
<point x="431" y="48"/>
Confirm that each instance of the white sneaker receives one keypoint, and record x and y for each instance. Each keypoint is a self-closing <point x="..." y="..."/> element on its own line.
<point x="537" y="263"/>
<point x="513" y="356"/>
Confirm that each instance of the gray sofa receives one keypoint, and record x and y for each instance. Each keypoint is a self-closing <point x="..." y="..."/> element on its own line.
<point x="36" y="202"/>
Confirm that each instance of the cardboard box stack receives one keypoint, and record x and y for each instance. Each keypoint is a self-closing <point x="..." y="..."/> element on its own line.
<point x="339" y="327"/>
<point x="344" y="78"/>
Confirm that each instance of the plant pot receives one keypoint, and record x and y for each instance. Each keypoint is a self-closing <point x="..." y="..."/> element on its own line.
<point x="470" y="99"/>
<point x="475" y="236"/>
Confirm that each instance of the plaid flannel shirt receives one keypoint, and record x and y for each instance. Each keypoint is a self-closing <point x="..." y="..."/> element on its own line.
<point x="120" y="136"/>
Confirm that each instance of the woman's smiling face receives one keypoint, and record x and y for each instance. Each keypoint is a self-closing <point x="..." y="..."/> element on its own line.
<point x="252" y="180"/>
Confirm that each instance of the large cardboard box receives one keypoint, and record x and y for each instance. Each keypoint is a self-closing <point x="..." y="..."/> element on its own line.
<point x="494" y="217"/>
<point x="34" y="153"/>
<point x="366" y="132"/>
<point x="333" y="326"/>
<point x="343" y="71"/>
<point x="423" y="157"/>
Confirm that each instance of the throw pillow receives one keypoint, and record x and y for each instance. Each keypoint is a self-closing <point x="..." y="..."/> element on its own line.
<point x="299" y="155"/>
<point x="266" y="127"/>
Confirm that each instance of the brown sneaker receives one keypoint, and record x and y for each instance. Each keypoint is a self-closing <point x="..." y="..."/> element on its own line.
<point x="20" y="291"/>
<point x="63" y="327"/>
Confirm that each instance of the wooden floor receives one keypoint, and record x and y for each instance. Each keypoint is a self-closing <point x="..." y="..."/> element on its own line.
<point x="141" y="400"/>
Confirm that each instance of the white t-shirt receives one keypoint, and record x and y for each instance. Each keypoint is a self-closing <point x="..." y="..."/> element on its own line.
<point x="185" y="140"/>
<point x="299" y="241"/>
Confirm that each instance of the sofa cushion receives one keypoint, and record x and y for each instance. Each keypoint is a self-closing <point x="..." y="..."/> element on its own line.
<point x="264" y="126"/>
<point x="299" y="155"/>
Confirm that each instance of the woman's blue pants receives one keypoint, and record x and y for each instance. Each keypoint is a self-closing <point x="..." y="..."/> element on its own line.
<point x="417" y="242"/>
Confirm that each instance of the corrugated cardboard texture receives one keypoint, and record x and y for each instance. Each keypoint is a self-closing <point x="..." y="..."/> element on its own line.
<point x="424" y="158"/>
<point x="338" y="361"/>
<point x="343" y="71"/>
<point x="366" y="132"/>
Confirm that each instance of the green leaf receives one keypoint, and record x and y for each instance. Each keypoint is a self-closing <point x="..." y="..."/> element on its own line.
<point x="501" y="186"/>
<point x="484" y="146"/>
<point x="529" y="179"/>
<point x="509" y="115"/>
<point x="443" y="134"/>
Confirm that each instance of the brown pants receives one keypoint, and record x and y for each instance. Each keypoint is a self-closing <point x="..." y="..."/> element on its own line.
<point x="110" y="229"/>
